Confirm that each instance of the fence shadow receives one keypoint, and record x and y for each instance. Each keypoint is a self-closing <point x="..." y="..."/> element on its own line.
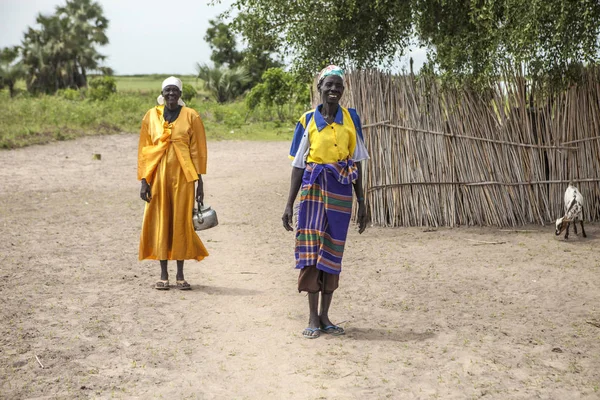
<point x="225" y="291"/>
<point x="377" y="334"/>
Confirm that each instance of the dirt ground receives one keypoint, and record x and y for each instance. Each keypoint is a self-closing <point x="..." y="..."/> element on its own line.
<point x="429" y="314"/>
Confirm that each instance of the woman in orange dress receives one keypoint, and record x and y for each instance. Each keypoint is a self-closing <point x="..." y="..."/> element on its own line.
<point x="171" y="157"/>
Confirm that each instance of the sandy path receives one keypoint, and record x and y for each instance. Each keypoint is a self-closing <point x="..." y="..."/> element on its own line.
<point x="429" y="314"/>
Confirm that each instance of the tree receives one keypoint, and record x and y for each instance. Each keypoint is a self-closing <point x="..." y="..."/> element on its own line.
<point x="61" y="52"/>
<point x="260" y="53"/>
<point x="279" y="89"/>
<point x="466" y="40"/>
<point x="224" y="84"/>
<point x="223" y="44"/>
<point x="11" y="69"/>
<point x="257" y="56"/>
<point x="471" y="40"/>
<point x="348" y="32"/>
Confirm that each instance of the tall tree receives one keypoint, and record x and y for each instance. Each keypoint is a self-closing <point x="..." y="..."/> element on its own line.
<point x="86" y="29"/>
<point x="466" y="40"/>
<point x="260" y="53"/>
<point x="259" y="48"/>
<point x="11" y="68"/>
<point x="350" y="32"/>
<point x="61" y="51"/>
<point x="222" y="43"/>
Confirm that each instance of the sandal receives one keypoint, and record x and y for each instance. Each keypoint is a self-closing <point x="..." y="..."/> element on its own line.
<point x="162" y="285"/>
<point x="333" y="330"/>
<point x="182" y="285"/>
<point x="311" y="333"/>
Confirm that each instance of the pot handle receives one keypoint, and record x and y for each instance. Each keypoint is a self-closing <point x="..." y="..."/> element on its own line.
<point x="200" y="217"/>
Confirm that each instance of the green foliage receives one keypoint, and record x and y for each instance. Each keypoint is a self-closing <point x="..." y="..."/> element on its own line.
<point x="149" y="84"/>
<point x="222" y="44"/>
<point x="70" y="94"/>
<point x="188" y="92"/>
<point x="224" y="84"/>
<point x="258" y="55"/>
<point x="101" y="88"/>
<point x="260" y="52"/>
<point x="60" y="52"/>
<point x="44" y="118"/>
<point x="280" y="90"/>
<point x="11" y="69"/>
<point x="467" y="41"/>
<point x="352" y="33"/>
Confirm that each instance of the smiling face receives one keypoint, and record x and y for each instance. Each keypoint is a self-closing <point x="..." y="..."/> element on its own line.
<point x="331" y="89"/>
<point x="171" y="93"/>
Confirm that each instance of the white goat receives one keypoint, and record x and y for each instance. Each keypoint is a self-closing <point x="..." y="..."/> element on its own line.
<point x="573" y="212"/>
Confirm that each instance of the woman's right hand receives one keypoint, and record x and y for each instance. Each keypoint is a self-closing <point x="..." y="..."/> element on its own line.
<point x="146" y="191"/>
<point x="287" y="218"/>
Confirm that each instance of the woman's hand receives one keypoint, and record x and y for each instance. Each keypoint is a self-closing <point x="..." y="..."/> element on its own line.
<point x="200" y="190"/>
<point x="146" y="191"/>
<point x="362" y="217"/>
<point x="288" y="214"/>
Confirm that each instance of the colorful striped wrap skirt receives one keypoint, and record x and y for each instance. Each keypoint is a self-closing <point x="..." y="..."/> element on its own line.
<point x="324" y="215"/>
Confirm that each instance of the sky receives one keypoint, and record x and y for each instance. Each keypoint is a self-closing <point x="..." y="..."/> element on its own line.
<point x="145" y="36"/>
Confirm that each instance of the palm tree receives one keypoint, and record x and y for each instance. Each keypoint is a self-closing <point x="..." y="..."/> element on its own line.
<point x="11" y="68"/>
<point x="224" y="84"/>
<point x="62" y="51"/>
<point x="86" y="28"/>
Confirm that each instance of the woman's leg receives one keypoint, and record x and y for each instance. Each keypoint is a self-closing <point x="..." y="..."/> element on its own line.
<point x="313" y="317"/>
<point x="164" y="272"/>
<point x="330" y="283"/>
<point x="179" y="276"/>
<point x="308" y="282"/>
<point x="325" y="303"/>
<point x="181" y="283"/>
<point x="163" y="284"/>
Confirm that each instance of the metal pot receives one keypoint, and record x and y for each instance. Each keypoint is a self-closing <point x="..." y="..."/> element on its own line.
<point x="206" y="218"/>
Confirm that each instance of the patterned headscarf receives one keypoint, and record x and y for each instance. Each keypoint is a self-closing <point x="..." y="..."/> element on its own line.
<point x="330" y="70"/>
<point x="167" y="82"/>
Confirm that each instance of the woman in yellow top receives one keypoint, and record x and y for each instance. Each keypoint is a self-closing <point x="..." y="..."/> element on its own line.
<point x="327" y="150"/>
<point x="171" y="157"/>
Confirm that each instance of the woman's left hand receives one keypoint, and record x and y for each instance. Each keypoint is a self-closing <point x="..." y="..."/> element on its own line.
<point x="200" y="194"/>
<point x="362" y="217"/>
<point x="200" y="190"/>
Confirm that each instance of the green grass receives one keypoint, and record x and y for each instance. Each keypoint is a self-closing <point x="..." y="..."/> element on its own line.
<point x="41" y="119"/>
<point x="151" y="83"/>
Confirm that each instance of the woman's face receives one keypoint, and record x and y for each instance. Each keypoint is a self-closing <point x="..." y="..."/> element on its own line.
<point x="171" y="93"/>
<point x="331" y="89"/>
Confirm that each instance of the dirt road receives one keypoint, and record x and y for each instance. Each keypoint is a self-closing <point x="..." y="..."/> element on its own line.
<point x="430" y="314"/>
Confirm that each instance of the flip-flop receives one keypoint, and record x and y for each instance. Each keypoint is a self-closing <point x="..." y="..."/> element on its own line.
<point x="311" y="333"/>
<point x="333" y="330"/>
<point x="182" y="285"/>
<point x="162" y="285"/>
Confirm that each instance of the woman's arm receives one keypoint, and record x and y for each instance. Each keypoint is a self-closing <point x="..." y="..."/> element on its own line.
<point x="296" y="182"/>
<point x="360" y="197"/>
<point x="144" y="140"/>
<point x="200" y="190"/>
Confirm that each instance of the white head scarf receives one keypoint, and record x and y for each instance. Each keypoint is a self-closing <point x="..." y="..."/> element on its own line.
<point x="167" y="82"/>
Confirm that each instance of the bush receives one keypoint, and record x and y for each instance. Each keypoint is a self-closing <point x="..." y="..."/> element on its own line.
<point x="280" y="90"/>
<point x="188" y="92"/>
<point x="102" y="88"/>
<point x="70" y="94"/>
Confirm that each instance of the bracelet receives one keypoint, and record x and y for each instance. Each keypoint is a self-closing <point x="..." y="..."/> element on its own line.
<point x="360" y="198"/>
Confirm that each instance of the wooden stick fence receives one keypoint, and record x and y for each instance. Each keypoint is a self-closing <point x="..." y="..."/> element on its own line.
<point x="449" y="158"/>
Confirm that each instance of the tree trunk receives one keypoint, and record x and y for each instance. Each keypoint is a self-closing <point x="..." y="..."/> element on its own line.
<point x="11" y="88"/>
<point x="83" y="78"/>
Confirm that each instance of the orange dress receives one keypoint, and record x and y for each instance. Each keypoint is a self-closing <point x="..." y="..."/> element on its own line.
<point x="170" y="158"/>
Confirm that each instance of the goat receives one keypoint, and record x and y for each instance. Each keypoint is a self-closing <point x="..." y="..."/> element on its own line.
<point x="573" y="212"/>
